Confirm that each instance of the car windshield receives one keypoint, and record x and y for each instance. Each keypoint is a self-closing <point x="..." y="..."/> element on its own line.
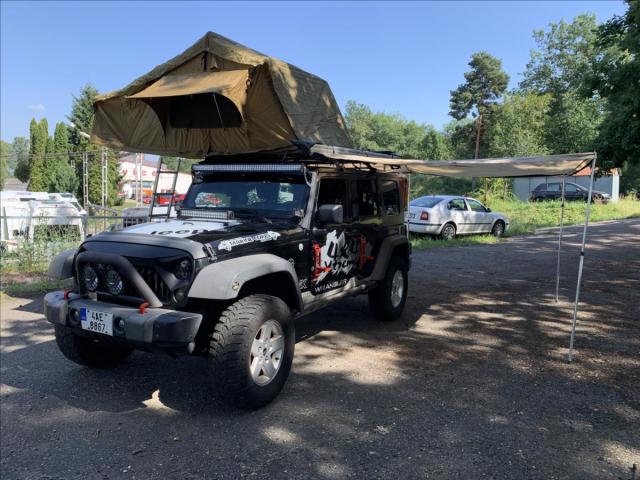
<point x="425" y="202"/>
<point x="262" y="195"/>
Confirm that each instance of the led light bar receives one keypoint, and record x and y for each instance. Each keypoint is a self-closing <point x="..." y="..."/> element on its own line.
<point x="205" y="212"/>
<point x="250" y="167"/>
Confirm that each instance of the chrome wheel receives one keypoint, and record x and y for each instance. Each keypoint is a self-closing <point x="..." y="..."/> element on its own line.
<point x="397" y="288"/>
<point x="267" y="351"/>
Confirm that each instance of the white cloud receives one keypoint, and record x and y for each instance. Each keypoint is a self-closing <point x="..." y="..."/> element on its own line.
<point x="38" y="107"/>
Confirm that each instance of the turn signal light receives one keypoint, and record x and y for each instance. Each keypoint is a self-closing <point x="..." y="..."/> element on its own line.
<point x="424" y="215"/>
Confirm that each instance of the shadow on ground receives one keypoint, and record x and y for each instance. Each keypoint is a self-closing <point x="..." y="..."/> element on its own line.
<point x="472" y="382"/>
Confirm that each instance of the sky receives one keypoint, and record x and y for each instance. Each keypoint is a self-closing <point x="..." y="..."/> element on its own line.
<point x="396" y="57"/>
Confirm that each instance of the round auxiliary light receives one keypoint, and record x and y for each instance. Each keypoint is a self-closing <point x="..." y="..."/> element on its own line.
<point x="90" y="278"/>
<point x="183" y="269"/>
<point x="114" y="282"/>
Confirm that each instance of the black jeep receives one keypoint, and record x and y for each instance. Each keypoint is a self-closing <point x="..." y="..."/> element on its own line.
<point x="255" y="246"/>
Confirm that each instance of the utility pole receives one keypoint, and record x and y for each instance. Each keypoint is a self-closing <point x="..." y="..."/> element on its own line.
<point x="105" y="177"/>
<point x="85" y="180"/>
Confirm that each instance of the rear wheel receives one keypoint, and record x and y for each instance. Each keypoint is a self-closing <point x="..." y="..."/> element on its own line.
<point x="498" y="229"/>
<point x="89" y="352"/>
<point x="448" y="232"/>
<point x="252" y="347"/>
<point x="387" y="300"/>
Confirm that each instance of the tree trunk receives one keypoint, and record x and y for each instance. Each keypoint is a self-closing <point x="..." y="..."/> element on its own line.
<point x="474" y="180"/>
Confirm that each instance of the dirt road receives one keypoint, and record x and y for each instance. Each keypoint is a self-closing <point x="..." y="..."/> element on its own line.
<point x="471" y="383"/>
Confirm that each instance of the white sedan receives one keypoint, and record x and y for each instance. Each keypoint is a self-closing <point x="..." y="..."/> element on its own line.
<point x="449" y="215"/>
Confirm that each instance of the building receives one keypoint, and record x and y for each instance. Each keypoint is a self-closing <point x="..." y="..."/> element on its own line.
<point x="148" y="171"/>
<point x="610" y="183"/>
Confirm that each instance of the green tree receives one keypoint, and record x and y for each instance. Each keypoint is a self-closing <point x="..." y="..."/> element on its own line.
<point x="484" y="84"/>
<point x="518" y="126"/>
<point x="82" y="117"/>
<point x="559" y="66"/>
<point x="63" y="174"/>
<point x="20" y="160"/>
<point x="436" y="145"/>
<point x="616" y="78"/>
<point x="171" y="163"/>
<point x="39" y="137"/>
<point x="5" y="154"/>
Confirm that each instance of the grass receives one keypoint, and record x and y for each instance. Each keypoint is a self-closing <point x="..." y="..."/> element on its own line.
<point x="34" y="284"/>
<point x="526" y="218"/>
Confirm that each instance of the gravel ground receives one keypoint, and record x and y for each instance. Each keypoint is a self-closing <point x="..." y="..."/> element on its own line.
<point x="472" y="382"/>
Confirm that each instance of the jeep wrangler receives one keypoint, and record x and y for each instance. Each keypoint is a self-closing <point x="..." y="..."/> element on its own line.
<point x="254" y="246"/>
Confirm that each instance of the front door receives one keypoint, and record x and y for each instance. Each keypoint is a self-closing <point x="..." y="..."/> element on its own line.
<point x="479" y="219"/>
<point x="334" y="248"/>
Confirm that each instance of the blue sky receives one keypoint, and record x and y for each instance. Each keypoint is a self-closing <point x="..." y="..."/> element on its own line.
<point x="395" y="57"/>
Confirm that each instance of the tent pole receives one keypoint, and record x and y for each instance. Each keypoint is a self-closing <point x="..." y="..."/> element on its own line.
<point x="581" y="264"/>
<point x="560" y="239"/>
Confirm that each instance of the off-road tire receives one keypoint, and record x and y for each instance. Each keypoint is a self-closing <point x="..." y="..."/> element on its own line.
<point x="498" y="229"/>
<point x="88" y="352"/>
<point x="444" y="233"/>
<point x="230" y="349"/>
<point x="380" y="298"/>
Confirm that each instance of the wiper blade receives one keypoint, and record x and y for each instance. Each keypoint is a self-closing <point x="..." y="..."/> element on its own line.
<point x="247" y="213"/>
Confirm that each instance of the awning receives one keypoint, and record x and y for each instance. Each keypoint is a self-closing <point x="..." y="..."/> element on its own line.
<point x="222" y="83"/>
<point x="546" y="165"/>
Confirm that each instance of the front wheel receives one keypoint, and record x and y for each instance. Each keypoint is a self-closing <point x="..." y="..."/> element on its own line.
<point x="89" y="352"/>
<point x="387" y="300"/>
<point x="252" y="348"/>
<point x="498" y="229"/>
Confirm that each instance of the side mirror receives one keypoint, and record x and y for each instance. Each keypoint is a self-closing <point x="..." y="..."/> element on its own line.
<point x="487" y="209"/>
<point x="330" y="213"/>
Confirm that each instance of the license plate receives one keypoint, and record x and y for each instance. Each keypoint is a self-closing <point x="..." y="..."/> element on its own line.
<point x="95" y="321"/>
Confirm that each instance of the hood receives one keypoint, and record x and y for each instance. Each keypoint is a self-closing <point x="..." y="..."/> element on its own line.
<point x="181" y="228"/>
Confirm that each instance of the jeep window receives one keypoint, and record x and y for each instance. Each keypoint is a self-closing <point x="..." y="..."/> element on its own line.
<point x="365" y="204"/>
<point x="332" y="191"/>
<point x="391" y="197"/>
<point x="265" y="195"/>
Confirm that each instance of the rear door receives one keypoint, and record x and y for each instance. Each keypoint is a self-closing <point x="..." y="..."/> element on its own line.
<point x="458" y="213"/>
<point x="367" y="228"/>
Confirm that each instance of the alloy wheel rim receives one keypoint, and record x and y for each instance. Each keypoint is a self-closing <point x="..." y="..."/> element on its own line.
<point x="267" y="352"/>
<point x="448" y="232"/>
<point x="397" y="288"/>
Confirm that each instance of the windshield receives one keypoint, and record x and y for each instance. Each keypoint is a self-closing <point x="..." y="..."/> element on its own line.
<point x="250" y="195"/>
<point x="426" y="202"/>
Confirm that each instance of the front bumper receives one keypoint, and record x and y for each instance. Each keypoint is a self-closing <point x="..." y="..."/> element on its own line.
<point x="157" y="329"/>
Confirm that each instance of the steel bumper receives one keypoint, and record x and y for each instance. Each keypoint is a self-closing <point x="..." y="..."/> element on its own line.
<point x="157" y="328"/>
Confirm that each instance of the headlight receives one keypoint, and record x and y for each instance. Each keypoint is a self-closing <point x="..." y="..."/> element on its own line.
<point x="183" y="270"/>
<point x="90" y="278"/>
<point x="114" y="282"/>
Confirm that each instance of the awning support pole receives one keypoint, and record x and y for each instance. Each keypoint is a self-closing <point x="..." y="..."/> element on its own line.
<point x="581" y="264"/>
<point x="560" y="240"/>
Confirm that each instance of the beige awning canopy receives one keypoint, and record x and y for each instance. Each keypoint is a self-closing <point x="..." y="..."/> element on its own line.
<point x="193" y="83"/>
<point x="219" y="97"/>
<point x="545" y="165"/>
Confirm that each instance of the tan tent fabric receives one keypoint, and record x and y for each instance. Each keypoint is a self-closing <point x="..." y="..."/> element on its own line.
<point x="193" y="83"/>
<point x="547" y="165"/>
<point x="278" y="103"/>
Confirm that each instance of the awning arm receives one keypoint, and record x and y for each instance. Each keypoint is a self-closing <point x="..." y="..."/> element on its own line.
<point x="560" y="239"/>
<point x="581" y="264"/>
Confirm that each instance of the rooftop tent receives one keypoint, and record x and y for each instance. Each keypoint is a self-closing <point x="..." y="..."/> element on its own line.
<point x="219" y="97"/>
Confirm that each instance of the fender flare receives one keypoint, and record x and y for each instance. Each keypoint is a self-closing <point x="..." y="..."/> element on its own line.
<point x="61" y="266"/>
<point x="389" y="244"/>
<point x="224" y="280"/>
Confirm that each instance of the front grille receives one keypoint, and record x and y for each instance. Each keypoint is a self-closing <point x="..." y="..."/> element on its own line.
<point x="154" y="280"/>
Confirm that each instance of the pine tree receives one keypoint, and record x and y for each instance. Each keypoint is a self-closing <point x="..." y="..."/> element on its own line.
<point x="63" y="174"/>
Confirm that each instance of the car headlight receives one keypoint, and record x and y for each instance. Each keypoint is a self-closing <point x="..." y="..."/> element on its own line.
<point x="184" y="269"/>
<point x="90" y="278"/>
<point x="114" y="282"/>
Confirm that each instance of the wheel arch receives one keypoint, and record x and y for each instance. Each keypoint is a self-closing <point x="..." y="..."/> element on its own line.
<point x="452" y="222"/>
<point x="230" y="279"/>
<point x="391" y="246"/>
